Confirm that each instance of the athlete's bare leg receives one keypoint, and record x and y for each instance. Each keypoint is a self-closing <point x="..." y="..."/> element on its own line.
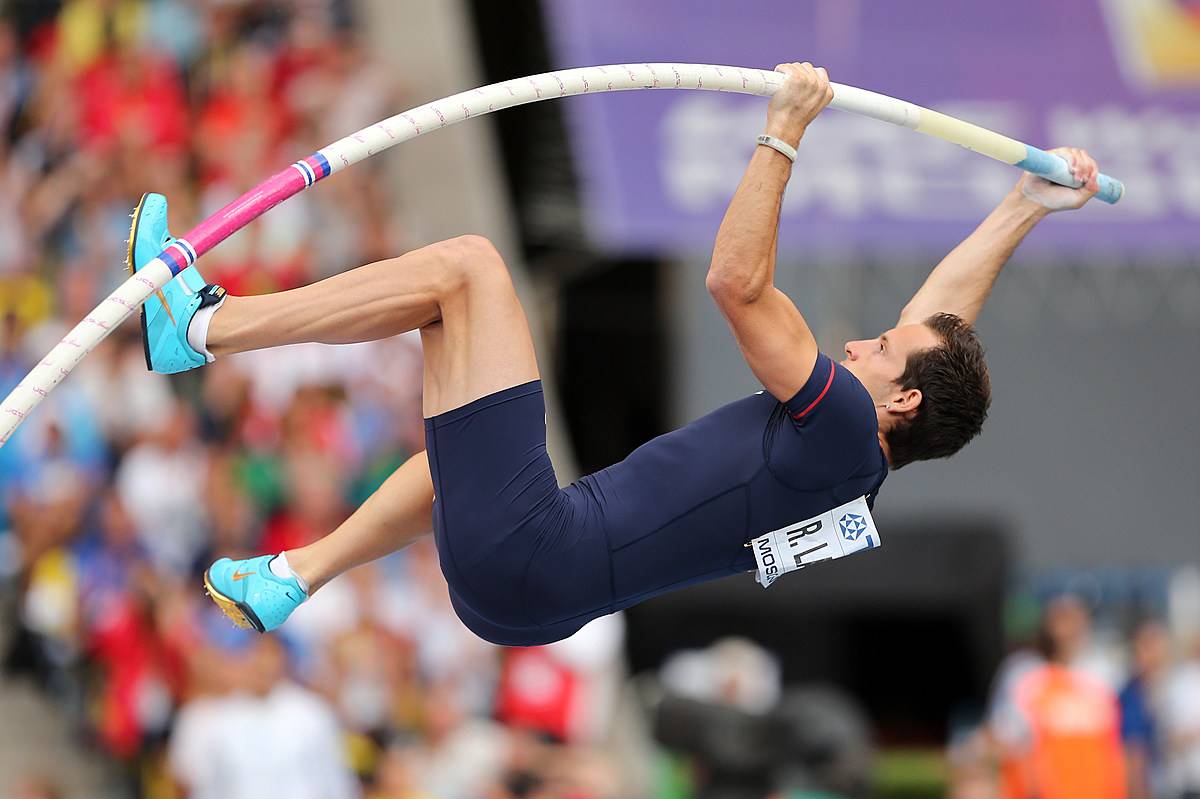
<point x="476" y="342"/>
<point x="397" y="514"/>
<point x="457" y="292"/>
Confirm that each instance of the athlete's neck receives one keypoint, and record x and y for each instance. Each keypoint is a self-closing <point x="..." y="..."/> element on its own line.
<point x="883" y="445"/>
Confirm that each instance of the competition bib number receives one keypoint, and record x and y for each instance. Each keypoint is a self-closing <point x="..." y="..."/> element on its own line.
<point x="834" y="534"/>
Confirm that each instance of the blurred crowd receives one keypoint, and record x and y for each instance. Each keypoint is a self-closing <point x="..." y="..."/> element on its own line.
<point x="124" y="485"/>
<point x="1079" y="713"/>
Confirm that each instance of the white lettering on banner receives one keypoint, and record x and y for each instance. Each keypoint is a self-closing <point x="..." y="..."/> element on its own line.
<point x="834" y="534"/>
<point x="856" y="168"/>
<point x="853" y="167"/>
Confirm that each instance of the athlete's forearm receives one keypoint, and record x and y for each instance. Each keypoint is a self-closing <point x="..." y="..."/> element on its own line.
<point x="961" y="283"/>
<point x="743" y="259"/>
<point x="397" y="514"/>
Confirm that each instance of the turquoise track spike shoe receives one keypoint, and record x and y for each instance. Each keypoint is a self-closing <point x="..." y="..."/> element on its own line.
<point x="250" y="594"/>
<point x="166" y="315"/>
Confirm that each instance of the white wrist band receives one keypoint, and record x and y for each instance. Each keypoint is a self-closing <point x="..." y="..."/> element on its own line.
<point x="778" y="145"/>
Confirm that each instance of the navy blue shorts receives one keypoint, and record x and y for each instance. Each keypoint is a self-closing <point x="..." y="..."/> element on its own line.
<point x="527" y="563"/>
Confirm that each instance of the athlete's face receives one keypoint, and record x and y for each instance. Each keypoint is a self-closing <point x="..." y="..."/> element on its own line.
<point x="879" y="362"/>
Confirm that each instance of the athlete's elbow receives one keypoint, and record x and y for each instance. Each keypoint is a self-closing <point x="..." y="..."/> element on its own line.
<point x="727" y="289"/>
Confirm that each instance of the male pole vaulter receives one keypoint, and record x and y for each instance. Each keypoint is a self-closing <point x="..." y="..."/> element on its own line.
<point x="777" y="480"/>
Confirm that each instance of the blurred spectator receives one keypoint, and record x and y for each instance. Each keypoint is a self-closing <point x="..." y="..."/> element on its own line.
<point x="1141" y="708"/>
<point x="463" y="755"/>
<point x="744" y="737"/>
<point x="87" y="29"/>
<point x="129" y="401"/>
<point x="565" y="690"/>
<point x="131" y="97"/>
<point x="396" y="774"/>
<point x="267" y="736"/>
<point x="138" y="668"/>
<point x="36" y="787"/>
<point x="161" y="482"/>
<point x="733" y="671"/>
<point x="1057" y="724"/>
<point x="16" y="83"/>
<point x="1181" y="728"/>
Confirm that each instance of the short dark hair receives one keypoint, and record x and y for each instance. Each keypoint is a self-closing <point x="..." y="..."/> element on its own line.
<point x="955" y="394"/>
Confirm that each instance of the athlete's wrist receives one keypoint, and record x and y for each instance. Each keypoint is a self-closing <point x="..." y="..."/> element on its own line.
<point x="1025" y="207"/>
<point x="785" y="130"/>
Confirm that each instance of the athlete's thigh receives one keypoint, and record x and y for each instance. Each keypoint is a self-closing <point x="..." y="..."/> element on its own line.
<point x="482" y="342"/>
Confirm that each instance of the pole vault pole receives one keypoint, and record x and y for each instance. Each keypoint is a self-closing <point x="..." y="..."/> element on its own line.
<point x="123" y="302"/>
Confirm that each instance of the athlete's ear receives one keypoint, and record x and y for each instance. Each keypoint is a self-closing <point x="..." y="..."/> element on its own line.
<point x="904" y="401"/>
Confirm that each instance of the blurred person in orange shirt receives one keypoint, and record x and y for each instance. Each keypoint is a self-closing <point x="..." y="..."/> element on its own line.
<point x="1059" y="730"/>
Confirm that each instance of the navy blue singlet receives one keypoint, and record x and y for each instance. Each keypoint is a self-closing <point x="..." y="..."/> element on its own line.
<point x="529" y="563"/>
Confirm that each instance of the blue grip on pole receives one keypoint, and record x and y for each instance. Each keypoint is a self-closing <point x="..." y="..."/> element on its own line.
<point x="1052" y="167"/>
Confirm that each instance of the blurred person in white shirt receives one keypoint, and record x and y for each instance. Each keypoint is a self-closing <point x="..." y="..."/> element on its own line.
<point x="1181" y="728"/>
<point x="414" y="603"/>
<point x="268" y="737"/>
<point x="157" y="484"/>
<point x="463" y="754"/>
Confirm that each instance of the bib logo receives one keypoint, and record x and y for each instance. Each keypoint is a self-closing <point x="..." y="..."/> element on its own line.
<point x="852" y="526"/>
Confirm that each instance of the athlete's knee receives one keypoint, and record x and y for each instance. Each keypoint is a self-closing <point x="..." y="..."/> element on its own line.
<point x="471" y="260"/>
<point x="477" y="249"/>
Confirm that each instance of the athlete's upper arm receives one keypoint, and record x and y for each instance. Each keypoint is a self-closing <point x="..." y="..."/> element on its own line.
<point x="774" y="340"/>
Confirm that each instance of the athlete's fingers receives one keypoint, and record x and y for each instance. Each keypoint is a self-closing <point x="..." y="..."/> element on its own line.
<point x="823" y="78"/>
<point x="788" y="70"/>
<point x="1084" y="161"/>
<point x="1069" y="157"/>
<point x="1085" y="169"/>
<point x="1090" y="166"/>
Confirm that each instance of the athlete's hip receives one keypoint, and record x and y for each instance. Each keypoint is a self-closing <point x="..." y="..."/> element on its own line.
<point x="514" y="547"/>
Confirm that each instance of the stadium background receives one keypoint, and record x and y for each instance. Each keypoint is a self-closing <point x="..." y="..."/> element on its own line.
<point x="890" y="675"/>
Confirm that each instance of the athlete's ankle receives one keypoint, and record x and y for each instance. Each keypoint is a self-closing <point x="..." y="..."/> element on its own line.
<point x="221" y="334"/>
<point x="299" y="565"/>
<point x="200" y="326"/>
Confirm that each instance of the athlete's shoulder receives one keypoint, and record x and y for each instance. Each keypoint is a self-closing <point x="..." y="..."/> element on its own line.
<point x="830" y="432"/>
<point x="832" y="394"/>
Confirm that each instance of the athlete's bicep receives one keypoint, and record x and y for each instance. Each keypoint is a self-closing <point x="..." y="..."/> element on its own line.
<point x="774" y="340"/>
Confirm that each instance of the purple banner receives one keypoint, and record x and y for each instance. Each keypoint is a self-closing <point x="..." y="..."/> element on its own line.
<point x="1118" y="77"/>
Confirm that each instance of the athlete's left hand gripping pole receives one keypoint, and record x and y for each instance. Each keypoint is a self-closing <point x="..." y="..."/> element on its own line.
<point x="123" y="302"/>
